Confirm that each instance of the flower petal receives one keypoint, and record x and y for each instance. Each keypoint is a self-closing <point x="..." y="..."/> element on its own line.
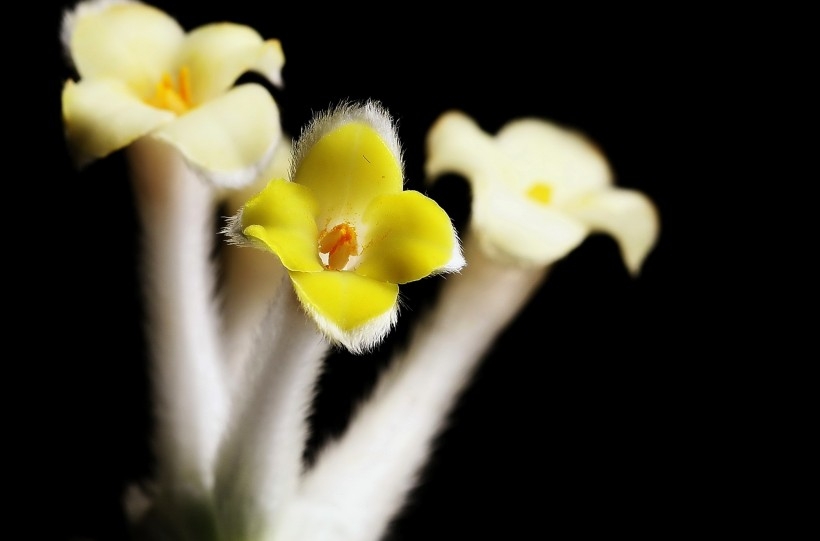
<point x="353" y="310"/>
<point x="628" y="215"/>
<point x="457" y="145"/>
<point x="101" y="116"/>
<point x="564" y="159"/>
<point x="346" y="157"/>
<point x="409" y="236"/>
<point x="129" y="41"/>
<point x="278" y="168"/>
<point x="217" y="54"/>
<point x="515" y="229"/>
<point x="282" y="219"/>
<point x="230" y="139"/>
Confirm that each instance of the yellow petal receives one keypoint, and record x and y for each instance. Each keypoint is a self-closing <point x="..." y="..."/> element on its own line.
<point x="347" y="157"/>
<point x="230" y="139"/>
<point x="217" y="54"/>
<point x="409" y="236"/>
<point x="515" y="229"/>
<point x="128" y="41"/>
<point x="101" y="116"/>
<point x="564" y="159"/>
<point x="628" y="216"/>
<point x="353" y="310"/>
<point x="282" y="218"/>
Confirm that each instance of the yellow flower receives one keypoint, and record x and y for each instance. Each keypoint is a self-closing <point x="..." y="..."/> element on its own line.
<point x="539" y="189"/>
<point x="141" y="74"/>
<point x="343" y="227"/>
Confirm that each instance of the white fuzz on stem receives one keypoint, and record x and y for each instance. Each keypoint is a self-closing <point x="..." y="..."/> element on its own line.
<point x="360" y="482"/>
<point x="251" y="278"/>
<point x="261" y="461"/>
<point x="176" y="211"/>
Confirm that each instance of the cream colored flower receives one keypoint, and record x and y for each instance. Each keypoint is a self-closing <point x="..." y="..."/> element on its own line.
<point x="344" y="228"/>
<point x="140" y="74"/>
<point x="539" y="189"/>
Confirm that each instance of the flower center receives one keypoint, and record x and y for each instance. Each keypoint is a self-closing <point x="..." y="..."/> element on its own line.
<point x="540" y="192"/>
<point x="339" y="244"/>
<point x="174" y="97"/>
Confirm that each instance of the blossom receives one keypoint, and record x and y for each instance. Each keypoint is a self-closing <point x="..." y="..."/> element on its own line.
<point x="141" y="74"/>
<point x="343" y="227"/>
<point x="539" y="189"/>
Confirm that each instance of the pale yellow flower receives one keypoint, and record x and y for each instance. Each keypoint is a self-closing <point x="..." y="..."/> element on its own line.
<point x="539" y="189"/>
<point x="140" y="73"/>
<point x="344" y="228"/>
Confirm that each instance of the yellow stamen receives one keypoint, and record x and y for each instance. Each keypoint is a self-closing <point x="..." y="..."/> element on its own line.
<point x="174" y="98"/>
<point x="340" y="244"/>
<point x="540" y="193"/>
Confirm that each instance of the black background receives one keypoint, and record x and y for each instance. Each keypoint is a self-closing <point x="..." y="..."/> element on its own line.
<point x="585" y="417"/>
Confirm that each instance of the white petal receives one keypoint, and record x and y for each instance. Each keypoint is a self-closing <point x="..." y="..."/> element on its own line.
<point x="230" y="139"/>
<point x="562" y="158"/>
<point x="217" y="54"/>
<point x="80" y="10"/>
<point x="278" y="167"/>
<point x="129" y="41"/>
<point x="457" y="145"/>
<point x="271" y="61"/>
<point x="101" y="116"/>
<point x="628" y="215"/>
<point x="513" y="229"/>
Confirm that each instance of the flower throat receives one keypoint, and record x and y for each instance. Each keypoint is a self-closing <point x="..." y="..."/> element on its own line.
<point x="339" y="244"/>
<point x="176" y="98"/>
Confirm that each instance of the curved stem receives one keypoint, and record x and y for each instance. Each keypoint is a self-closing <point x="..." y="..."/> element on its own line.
<point x="360" y="482"/>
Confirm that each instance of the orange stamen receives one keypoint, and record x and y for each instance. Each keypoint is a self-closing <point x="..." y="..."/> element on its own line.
<point x="177" y="99"/>
<point x="339" y="244"/>
<point x="185" y="86"/>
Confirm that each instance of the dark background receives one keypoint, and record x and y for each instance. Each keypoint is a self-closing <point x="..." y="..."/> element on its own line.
<point x="585" y="417"/>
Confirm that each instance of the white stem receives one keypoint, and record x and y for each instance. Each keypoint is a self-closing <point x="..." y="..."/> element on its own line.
<point x="261" y="461"/>
<point x="360" y="482"/>
<point x="251" y="277"/>
<point x="177" y="212"/>
<point x="252" y="280"/>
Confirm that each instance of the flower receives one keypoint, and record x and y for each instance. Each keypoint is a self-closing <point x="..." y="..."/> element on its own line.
<point x="141" y="74"/>
<point x="539" y="189"/>
<point x="344" y="229"/>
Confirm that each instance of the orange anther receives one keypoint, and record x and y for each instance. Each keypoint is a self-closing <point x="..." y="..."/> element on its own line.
<point x="174" y="98"/>
<point x="339" y="244"/>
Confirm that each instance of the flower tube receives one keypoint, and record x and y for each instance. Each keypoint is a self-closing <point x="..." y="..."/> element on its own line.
<point x="537" y="191"/>
<point x="348" y="235"/>
<point x="167" y="97"/>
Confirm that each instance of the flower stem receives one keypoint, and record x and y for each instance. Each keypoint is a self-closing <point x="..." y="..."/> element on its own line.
<point x="261" y="461"/>
<point x="251" y="277"/>
<point x="360" y="481"/>
<point x="176" y="212"/>
<point x="252" y="280"/>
